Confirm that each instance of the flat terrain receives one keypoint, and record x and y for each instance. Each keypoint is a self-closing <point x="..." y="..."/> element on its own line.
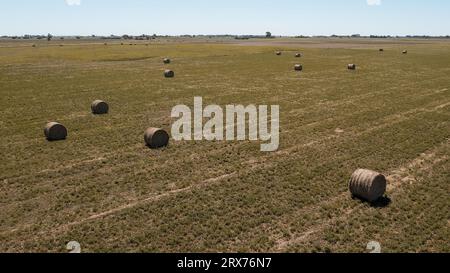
<point x="105" y="189"/>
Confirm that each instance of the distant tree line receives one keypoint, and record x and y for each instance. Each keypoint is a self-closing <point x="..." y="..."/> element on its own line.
<point x="268" y="35"/>
<point x="386" y="36"/>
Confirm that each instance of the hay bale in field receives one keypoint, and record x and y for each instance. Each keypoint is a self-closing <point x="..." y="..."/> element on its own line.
<point x="99" y="107"/>
<point x="278" y="53"/>
<point x="169" y="73"/>
<point x="368" y="185"/>
<point x="405" y="52"/>
<point x="166" y="60"/>
<point x="381" y="49"/>
<point x="351" y="66"/>
<point x="298" y="55"/>
<point x="298" y="67"/>
<point x="33" y="45"/>
<point x="156" y="138"/>
<point x="55" y="131"/>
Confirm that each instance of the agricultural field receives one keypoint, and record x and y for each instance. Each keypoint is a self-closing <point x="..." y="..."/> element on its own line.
<point x="103" y="188"/>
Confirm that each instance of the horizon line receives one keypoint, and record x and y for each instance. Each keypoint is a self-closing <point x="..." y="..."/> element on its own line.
<point x="355" y="35"/>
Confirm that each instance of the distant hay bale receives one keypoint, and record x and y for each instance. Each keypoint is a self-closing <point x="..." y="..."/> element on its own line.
<point x="351" y="66"/>
<point x="55" y="131"/>
<point x="105" y="43"/>
<point x="298" y="67"/>
<point x="278" y="53"/>
<point x="121" y="43"/>
<point x="367" y="185"/>
<point x="298" y="55"/>
<point x="156" y="138"/>
<point x="405" y="52"/>
<point x="99" y="107"/>
<point x="166" y="60"/>
<point x="33" y="45"/>
<point x="381" y="49"/>
<point x="169" y="73"/>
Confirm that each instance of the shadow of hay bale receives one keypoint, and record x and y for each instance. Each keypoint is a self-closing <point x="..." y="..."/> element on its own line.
<point x="382" y="202"/>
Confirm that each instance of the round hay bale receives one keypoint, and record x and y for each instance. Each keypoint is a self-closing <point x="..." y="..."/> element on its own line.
<point x="99" y="107"/>
<point x="298" y="55"/>
<point x="405" y="52"/>
<point x="278" y="53"/>
<point x="351" y="66"/>
<point x="169" y="73"/>
<point x="156" y="138"/>
<point x="55" y="131"/>
<point x="33" y="45"/>
<point x="298" y="67"/>
<point x="368" y="185"/>
<point x="166" y="61"/>
<point x="381" y="49"/>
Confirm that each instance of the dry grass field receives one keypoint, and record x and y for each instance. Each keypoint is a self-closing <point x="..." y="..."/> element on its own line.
<point x="105" y="189"/>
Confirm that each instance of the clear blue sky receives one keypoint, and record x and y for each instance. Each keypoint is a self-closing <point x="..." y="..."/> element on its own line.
<point x="281" y="17"/>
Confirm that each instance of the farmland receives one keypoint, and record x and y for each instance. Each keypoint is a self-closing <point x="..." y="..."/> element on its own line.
<point x="105" y="189"/>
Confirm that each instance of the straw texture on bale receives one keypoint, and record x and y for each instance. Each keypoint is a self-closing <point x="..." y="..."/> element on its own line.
<point x="156" y="138"/>
<point x="55" y="131"/>
<point x="169" y="74"/>
<point x="352" y="66"/>
<point x="367" y="185"/>
<point x="298" y="67"/>
<point x="166" y="61"/>
<point x="99" y="107"/>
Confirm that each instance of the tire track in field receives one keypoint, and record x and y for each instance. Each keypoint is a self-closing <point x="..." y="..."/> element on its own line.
<point x="84" y="162"/>
<point x="152" y="199"/>
<point x="388" y="121"/>
<point x="362" y="97"/>
<point x="144" y="201"/>
<point x="396" y="179"/>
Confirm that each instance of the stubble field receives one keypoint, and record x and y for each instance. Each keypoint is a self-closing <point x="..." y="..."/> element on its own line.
<point x="105" y="189"/>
